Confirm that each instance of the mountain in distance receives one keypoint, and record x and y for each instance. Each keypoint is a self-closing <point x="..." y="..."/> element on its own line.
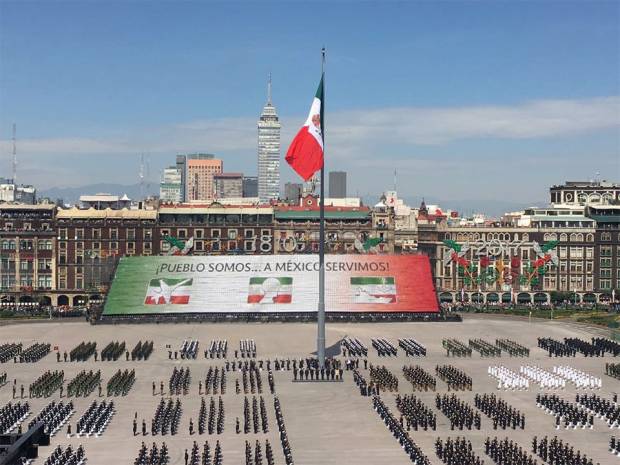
<point x="71" y="195"/>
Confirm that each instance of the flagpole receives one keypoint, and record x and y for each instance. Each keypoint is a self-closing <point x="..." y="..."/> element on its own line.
<point x="321" y="308"/>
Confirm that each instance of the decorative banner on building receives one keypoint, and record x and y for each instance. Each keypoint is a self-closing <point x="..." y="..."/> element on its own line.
<point x="286" y="283"/>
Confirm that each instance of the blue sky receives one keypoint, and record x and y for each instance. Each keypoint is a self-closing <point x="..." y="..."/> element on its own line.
<point x="467" y="100"/>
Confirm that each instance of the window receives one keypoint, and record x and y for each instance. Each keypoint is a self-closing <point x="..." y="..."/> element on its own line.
<point x="550" y="283"/>
<point x="148" y="234"/>
<point x="589" y="267"/>
<point x="606" y="251"/>
<point x="606" y="236"/>
<point x="215" y="233"/>
<point x="62" y="246"/>
<point x="576" y="283"/>
<point x="232" y="234"/>
<point x="96" y="245"/>
<point x="248" y="246"/>
<point x="563" y="237"/>
<point x="589" y="283"/>
<point x="113" y="234"/>
<point x="97" y="233"/>
<point x="79" y="233"/>
<point x="62" y="233"/>
<point x="605" y="262"/>
<point x="27" y="227"/>
<point x="198" y="233"/>
<point x="589" y="252"/>
<point x="198" y="246"/>
<point x="44" y="281"/>
<point x="605" y="273"/>
<point x="62" y="283"/>
<point x="605" y="283"/>
<point x="182" y="233"/>
<point x="576" y="266"/>
<point x="215" y="246"/>
<point x="131" y="234"/>
<point x="563" y="266"/>
<point x="131" y="247"/>
<point x="248" y="233"/>
<point x="165" y="232"/>
<point x="232" y="245"/>
<point x="114" y="245"/>
<point x="563" y="252"/>
<point x="79" y="283"/>
<point x="576" y="252"/>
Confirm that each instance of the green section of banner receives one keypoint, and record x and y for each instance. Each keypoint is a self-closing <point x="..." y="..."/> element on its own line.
<point x="283" y="280"/>
<point x="368" y="280"/>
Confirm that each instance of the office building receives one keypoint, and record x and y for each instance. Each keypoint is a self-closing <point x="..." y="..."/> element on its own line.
<point x="268" y="152"/>
<point x="337" y="184"/>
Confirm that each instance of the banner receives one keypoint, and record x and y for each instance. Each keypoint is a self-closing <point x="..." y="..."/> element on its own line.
<point x="274" y="283"/>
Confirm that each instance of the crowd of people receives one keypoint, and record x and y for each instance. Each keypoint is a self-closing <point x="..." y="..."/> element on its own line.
<point x="457" y="380"/>
<point x="556" y="348"/>
<point x="255" y="457"/>
<point x="458" y="451"/>
<point x="286" y="446"/>
<point x="606" y="410"/>
<point x="459" y="412"/>
<point x="414" y="452"/>
<point x="121" y="383"/>
<point x="456" y="348"/>
<point x="507" y="379"/>
<point x="54" y="416"/>
<point x="420" y="379"/>
<point x="353" y="347"/>
<point x="68" y="456"/>
<point x="154" y="456"/>
<point x="311" y="371"/>
<point x="384" y="347"/>
<point x="95" y="419"/>
<point x="484" y="348"/>
<point x="211" y="421"/>
<point x="11" y="415"/>
<point x="412" y="348"/>
<point x="383" y="379"/>
<point x="613" y="370"/>
<point x="166" y="419"/>
<point x="414" y="413"/>
<point x="512" y="348"/>
<point x="507" y="452"/>
<point x="498" y="410"/>
<point x="572" y="415"/>
<point x="254" y="418"/>
<point x="557" y="452"/>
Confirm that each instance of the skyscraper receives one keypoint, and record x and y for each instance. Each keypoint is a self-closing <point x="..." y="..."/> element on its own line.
<point x="268" y="151"/>
<point x="200" y="171"/>
<point x="171" y="187"/>
<point x="337" y="184"/>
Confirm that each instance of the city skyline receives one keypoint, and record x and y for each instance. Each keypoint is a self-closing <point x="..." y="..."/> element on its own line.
<point x="435" y="100"/>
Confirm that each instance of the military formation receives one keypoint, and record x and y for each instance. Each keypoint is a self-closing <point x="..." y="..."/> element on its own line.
<point x="556" y="452"/>
<point x="457" y="380"/>
<point x="68" y="456"/>
<point x="12" y="414"/>
<point x="507" y="451"/>
<point x="459" y="412"/>
<point x="95" y="419"/>
<point x="503" y="415"/>
<point x="457" y="451"/>
<point x="567" y="414"/>
<point x="456" y="348"/>
<point x="613" y="370"/>
<point x="415" y="414"/>
<point x="556" y="348"/>
<point x="154" y="456"/>
<point x="420" y="379"/>
<point x="255" y="457"/>
<point x="197" y="457"/>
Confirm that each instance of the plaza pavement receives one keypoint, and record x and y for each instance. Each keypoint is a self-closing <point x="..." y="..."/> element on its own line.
<point x="327" y="423"/>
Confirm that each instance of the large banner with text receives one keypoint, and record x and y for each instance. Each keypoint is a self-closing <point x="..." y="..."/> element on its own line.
<point x="259" y="283"/>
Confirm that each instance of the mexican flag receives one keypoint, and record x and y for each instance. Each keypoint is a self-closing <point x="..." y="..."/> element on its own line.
<point x="270" y="290"/>
<point x="305" y="155"/>
<point x="162" y="291"/>
<point x="373" y="289"/>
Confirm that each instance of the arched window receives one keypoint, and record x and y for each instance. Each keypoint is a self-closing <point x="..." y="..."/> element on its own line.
<point x="563" y="237"/>
<point x="573" y="237"/>
<point x="590" y="237"/>
<point x="526" y="237"/>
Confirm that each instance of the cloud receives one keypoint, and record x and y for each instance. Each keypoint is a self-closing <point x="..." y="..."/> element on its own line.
<point x="356" y="132"/>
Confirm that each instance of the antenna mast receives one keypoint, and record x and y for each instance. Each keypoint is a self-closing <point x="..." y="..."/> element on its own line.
<point x="14" y="154"/>
<point x="141" y="176"/>
<point x="269" y="90"/>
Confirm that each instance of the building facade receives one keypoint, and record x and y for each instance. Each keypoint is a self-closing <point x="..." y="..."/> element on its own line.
<point x="269" y="153"/>
<point x="337" y="184"/>
<point x="201" y="169"/>
<point x="171" y="186"/>
<point x="250" y="186"/>
<point x="585" y="193"/>
<point x="292" y="192"/>
<point x="228" y="185"/>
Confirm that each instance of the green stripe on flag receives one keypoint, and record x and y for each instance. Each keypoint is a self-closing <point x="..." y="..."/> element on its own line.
<point x="366" y="280"/>
<point x="283" y="280"/>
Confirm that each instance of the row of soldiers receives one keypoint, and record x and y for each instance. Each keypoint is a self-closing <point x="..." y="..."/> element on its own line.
<point x="556" y="348"/>
<point x="507" y="451"/>
<point x="502" y="414"/>
<point x="605" y="409"/>
<point x="573" y="415"/>
<point x="398" y="431"/>
<point x="613" y="370"/>
<point x="456" y="348"/>
<point x="210" y="422"/>
<point x="419" y="378"/>
<point x="514" y="349"/>
<point x="456" y="379"/>
<point x="254" y="418"/>
<point x="484" y="348"/>
<point x="156" y="455"/>
<point x="584" y="347"/>
<point x="256" y="457"/>
<point x="460" y="414"/>
<point x="166" y="419"/>
<point x="383" y="379"/>
<point x="316" y="374"/>
<point x="35" y="352"/>
<point x="384" y="347"/>
<point x="458" y="451"/>
<point x="195" y="458"/>
<point x="286" y="446"/>
<point x="415" y="413"/>
<point x="557" y="452"/>
<point x="607" y="345"/>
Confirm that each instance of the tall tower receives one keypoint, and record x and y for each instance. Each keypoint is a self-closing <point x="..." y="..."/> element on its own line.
<point x="14" y="154"/>
<point x="268" y="151"/>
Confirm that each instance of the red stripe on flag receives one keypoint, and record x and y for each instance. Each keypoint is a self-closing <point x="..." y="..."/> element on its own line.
<point x="305" y="155"/>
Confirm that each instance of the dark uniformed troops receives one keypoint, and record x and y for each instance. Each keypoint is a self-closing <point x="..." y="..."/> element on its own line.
<point x="456" y="379"/>
<point x="460" y="414"/>
<point x="458" y="451"/>
<point x="420" y="379"/>
<point x="572" y="415"/>
<point x="556" y="348"/>
<point x="498" y="410"/>
<point x="558" y="452"/>
<point x="156" y="456"/>
<point x="513" y="348"/>
<point x="456" y="348"/>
